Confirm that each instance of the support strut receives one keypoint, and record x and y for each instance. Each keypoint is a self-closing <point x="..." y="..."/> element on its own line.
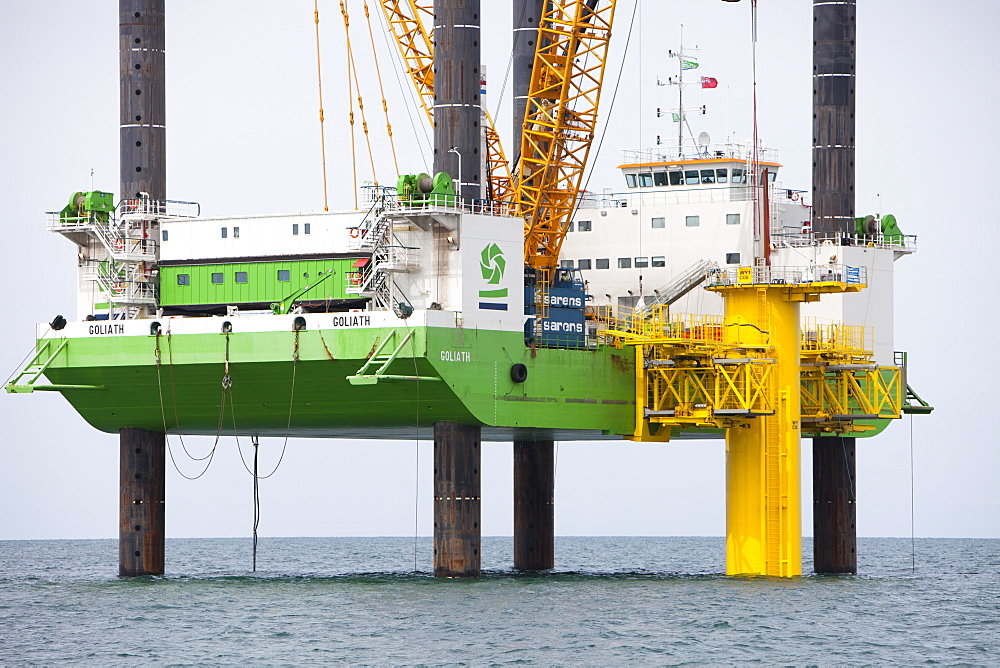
<point x="141" y="502"/>
<point x="534" y="516"/>
<point x="457" y="502"/>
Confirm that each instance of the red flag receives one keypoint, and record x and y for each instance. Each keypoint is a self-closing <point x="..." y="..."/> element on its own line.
<point x="709" y="82"/>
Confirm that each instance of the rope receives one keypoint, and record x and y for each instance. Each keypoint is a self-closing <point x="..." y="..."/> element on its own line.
<point x="381" y="89"/>
<point x="33" y="350"/>
<point x="416" y="448"/>
<point x="319" y="82"/>
<point x="913" y="541"/>
<point x="256" y="499"/>
<point x="350" y="98"/>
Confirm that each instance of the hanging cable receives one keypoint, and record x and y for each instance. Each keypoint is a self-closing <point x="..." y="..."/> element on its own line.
<point x="319" y="82"/>
<point x="381" y="89"/>
<point x="350" y="98"/>
<point x="256" y="499"/>
<point x="361" y="110"/>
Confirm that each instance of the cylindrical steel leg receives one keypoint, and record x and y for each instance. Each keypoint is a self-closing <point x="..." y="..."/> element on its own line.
<point x="835" y="540"/>
<point x="141" y="503"/>
<point x="457" y="535"/>
<point x="534" y="512"/>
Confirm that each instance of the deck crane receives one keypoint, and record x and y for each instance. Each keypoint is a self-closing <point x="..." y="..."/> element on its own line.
<point x="561" y="117"/>
<point x="407" y="20"/>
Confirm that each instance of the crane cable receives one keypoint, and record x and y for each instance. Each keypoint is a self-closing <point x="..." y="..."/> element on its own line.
<point x="354" y="83"/>
<point x="381" y="89"/>
<point x="350" y="102"/>
<point x="319" y="82"/>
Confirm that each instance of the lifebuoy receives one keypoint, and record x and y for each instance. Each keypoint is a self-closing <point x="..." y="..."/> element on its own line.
<point x="794" y="196"/>
<point x="119" y="244"/>
<point x="355" y="232"/>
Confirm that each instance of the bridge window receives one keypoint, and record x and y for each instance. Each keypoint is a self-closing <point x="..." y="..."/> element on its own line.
<point x="676" y="178"/>
<point x="732" y="219"/>
<point x="284" y="275"/>
<point x="720" y="175"/>
<point x="583" y="226"/>
<point x="659" y="222"/>
<point x="692" y="221"/>
<point x="624" y="263"/>
<point x="691" y="177"/>
<point x="772" y="176"/>
<point x="659" y="178"/>
<point x="641" y="262"/>
<point x="659" y="261"/>
<point x="583" y="264"/>
<point x="183" y="279"/>
<point x="630" y="180"/>
<point x="645" y="180"/>
<point x="241" y="277"/>
<point x="739" y="175"/>
<point x="603" y="263"/>
<point x="708" y="176"/>
<point x="217" y="278"/>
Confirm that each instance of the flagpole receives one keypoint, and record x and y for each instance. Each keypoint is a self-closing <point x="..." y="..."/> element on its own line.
<point x="680" y="87"/>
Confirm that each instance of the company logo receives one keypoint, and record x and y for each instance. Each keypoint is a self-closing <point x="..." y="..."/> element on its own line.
<point x="492" y="265"/>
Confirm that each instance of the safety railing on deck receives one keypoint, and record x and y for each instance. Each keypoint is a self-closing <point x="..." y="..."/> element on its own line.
<point x="438" y="202"/>
<point x="821" y="273"/>
<point x="655" y="324"/>
<point x="901" y="243"/>
<point x="836" y="338"/>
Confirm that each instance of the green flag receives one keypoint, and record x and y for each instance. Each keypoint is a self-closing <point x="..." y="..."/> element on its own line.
<point x="677" y="118"/>
<point x="689" y="65"/>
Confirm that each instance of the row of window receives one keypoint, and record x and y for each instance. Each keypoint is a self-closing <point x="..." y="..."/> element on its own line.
<point x="629" y="263"/>
<point x="306" y="229"/>
<point x="657" y="223"/>
<point x="218" y="278"/>
<point x="690" y="177"/>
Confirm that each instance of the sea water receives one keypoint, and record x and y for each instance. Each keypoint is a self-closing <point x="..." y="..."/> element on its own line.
<point x="609" y="601"/>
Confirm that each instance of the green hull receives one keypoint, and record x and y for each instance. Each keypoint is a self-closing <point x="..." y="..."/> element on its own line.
<point x="567" y="394"/>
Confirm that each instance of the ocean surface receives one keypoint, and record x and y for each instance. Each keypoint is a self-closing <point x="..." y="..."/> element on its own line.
<point x="609" y="601"/>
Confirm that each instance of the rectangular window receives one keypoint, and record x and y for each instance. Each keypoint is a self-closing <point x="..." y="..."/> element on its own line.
<point x="624" y="263"/>
<point x="569" y="226"/>
<point x="732" y="219"/>
<point x="645" y="180"/>
<point x="241" y="277"/>
<point x="676" y="178"/>
<point x="772" y="177"/>
<point x="566" y="264"/>
<point x="720" y="175"/>
<point x="583" y="264"/>
<point x="163" y="235"/>
<point x="183" y="279"/>
<point x="630" y="180"/>
<point x="641" y="262"/>
<point x="691" y="177"/>
<point x="692" y="221"/>
<point x="217" y="278"/>
<point x="583" y="226"/>
<point x="708" y="176"/>
<point x="659" y="222"/>
<point x="308" y="228"/>
<point x="603" y="263"/>
<point x="295" y="228"/>
<point x="732" y="258"/>
<point x="659" y="178"/>
<point x="236" y="233"/>
<point x="739" y="175"/>
<point x="284" y="275"/>
<point x="659" y="261"/>
<point x="225" y="232"/>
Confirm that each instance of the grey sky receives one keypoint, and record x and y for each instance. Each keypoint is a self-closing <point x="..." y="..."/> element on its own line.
<point x="243" y="138"/>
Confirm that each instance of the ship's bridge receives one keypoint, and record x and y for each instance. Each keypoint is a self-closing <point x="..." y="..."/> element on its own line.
<point x="712" y="166"/>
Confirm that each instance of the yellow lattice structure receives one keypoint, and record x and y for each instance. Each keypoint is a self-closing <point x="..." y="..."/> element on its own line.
<point x="408" y="21"/>
<point x="560" y="120"/>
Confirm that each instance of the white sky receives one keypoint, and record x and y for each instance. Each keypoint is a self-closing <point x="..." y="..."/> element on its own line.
<point x="243" y="138"/>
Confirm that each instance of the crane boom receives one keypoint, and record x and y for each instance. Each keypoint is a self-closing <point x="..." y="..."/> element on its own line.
<point x="408" y="20"/>
<point x="560" y="121"/>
